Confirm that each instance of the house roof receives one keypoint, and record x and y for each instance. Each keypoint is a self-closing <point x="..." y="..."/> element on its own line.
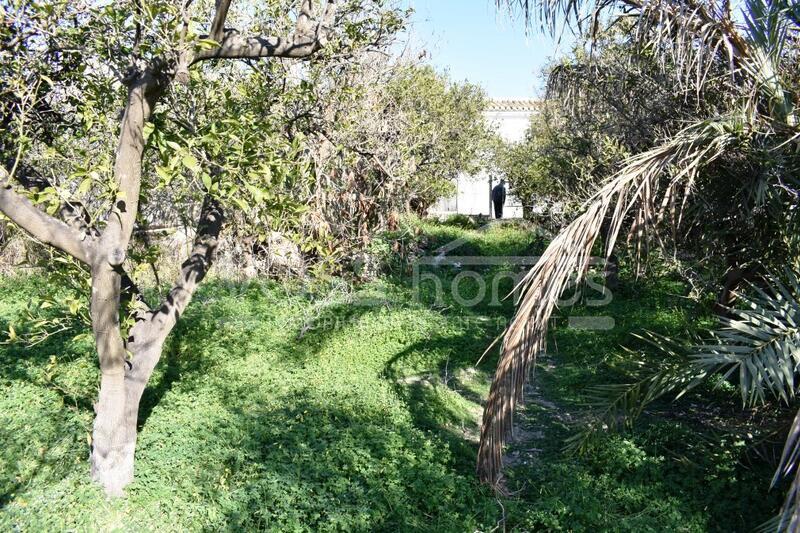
<point x="514" y="105"/>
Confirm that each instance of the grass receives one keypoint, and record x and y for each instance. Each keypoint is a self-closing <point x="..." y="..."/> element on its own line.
<point x="291" y="408"/>
<point x="675" y="471"/>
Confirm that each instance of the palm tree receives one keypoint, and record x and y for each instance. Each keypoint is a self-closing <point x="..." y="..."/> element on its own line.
<point x="653" y="189"/>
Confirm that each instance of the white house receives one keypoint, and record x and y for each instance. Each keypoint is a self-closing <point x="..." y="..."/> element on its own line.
<point x="510" y="119"/>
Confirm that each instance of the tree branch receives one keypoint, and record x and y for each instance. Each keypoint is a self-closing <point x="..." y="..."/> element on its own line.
<point x="194" y="269"/>
<point x="142" y="96"/>
<point x="39" y="224"/>
<point x="218" y="25"/>
<point x="304" y="41"/>
<point x="74" y="214"/>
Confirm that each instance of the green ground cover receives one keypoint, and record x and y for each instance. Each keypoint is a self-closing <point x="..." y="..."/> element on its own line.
<point x="295" y="408"/>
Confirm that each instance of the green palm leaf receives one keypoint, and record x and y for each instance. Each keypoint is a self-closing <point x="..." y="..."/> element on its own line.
<point x="790" y="513"/>
<point x="761" y="343"/>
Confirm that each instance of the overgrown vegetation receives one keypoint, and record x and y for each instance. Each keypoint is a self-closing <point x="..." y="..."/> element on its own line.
<point x="352" y="394"/>
<point x="707" y="179"/>
<point x="332" y="407"/>
<point x="285" y="124"/>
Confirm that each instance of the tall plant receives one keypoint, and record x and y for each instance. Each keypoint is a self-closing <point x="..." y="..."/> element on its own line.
<point x="141" y="52"/>
<point x="653" y="189"/>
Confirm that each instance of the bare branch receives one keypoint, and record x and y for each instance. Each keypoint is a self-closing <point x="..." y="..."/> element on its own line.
<point x="236" y="46"/>
<point x="305" y="41"/>
<point x="194" y="269"/>
<point x="73" y="213"/>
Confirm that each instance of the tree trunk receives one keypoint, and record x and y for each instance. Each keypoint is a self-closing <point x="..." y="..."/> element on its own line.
<point x="109" y="466"/>
<point x="114" y="434"/>
<point x="733" y="279"/>
<point x="145" y="354"/>
<point x="112" y="451"/>
<point x="116" y="424"/>
<point x="125" y="378"/>
<point x="611" y="272"/>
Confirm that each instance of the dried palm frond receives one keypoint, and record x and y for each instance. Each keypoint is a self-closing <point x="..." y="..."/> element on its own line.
<point x="694" y="37"/>
<point x="636" y="185"/>
<point x="692" y="34"/>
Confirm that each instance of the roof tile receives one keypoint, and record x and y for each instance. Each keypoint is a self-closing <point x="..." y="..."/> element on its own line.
<point x="514" y="105"/>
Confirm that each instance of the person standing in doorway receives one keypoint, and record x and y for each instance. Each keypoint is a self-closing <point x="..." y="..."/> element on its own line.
<point x="499" y="198"/>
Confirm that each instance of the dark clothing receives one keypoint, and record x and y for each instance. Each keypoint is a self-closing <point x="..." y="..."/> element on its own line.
<point x="498" y="209"/>
<point x="498" y="199"/>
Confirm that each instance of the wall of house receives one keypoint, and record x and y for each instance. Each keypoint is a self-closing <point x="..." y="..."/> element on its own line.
<point x="510" y="120"/>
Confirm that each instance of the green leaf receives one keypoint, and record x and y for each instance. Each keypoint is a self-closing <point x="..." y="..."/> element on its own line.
<point x="190" y="162"/>
<point x="207" y="44"/>
<point x="85" y="185"/>
<point x="258" y="194"/>
<point x="148" y="130"/>
<point x="241" y="204"/>
<point x="207" y="181"/>
<point x="164" y="174"/>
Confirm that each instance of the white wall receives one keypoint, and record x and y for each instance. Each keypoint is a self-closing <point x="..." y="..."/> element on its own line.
<point x="472" y="196"/>
<point x="511" y="125"/>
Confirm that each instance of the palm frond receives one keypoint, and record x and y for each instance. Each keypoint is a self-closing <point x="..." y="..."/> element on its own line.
<point x="692" y="38"/>
<point x="547" y="14"/>
<point x="773" y="524"/>
<point x="619" y="405"/>
<point x="690" y="33"/>
<point x="760" y="343"/>
<point x="790" y="512"/>
<point x="615" y="407"/>
<point x="768" y="27"/>
<point x="635" y="185"/>
<point x="792" y="10"/>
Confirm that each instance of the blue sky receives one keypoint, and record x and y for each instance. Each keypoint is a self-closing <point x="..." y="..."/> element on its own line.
<point x="475" y="41"/>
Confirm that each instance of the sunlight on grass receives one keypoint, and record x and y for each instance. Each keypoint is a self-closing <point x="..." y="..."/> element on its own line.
<point x="327" y="409"/>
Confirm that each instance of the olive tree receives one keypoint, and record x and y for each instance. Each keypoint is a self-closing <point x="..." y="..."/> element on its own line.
<point x="141" y="49"/>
